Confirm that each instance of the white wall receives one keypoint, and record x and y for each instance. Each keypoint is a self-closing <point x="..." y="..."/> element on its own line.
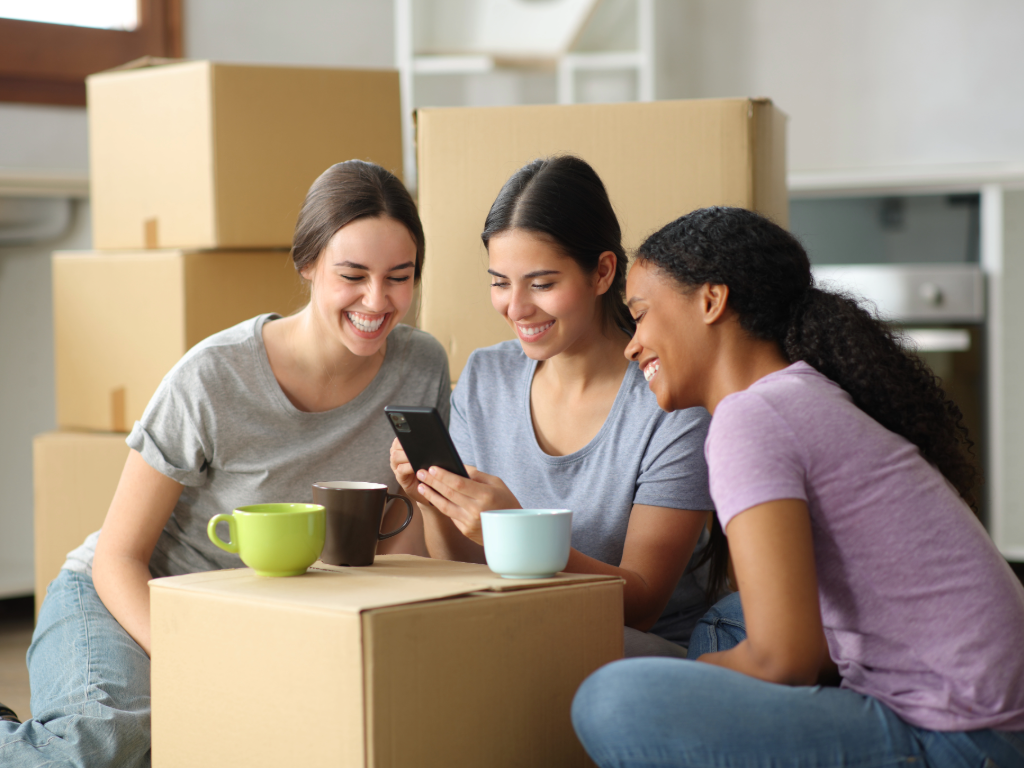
<point x="351" y="33"/>
<point x="31" y="138"/>
<point x="26" y="387"/>
<point x="866" y="83"/>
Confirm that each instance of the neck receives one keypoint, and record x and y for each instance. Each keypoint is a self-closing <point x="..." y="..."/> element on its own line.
<point x="594" y="359"/>
<point x="740" y="360"/>
<point x="319" y="355"/>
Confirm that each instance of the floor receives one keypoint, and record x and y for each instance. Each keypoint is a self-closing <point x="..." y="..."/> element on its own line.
<point x="16" y="618"/>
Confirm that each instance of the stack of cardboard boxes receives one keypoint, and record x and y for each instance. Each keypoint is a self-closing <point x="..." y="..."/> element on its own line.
<point x="198" y="171"/>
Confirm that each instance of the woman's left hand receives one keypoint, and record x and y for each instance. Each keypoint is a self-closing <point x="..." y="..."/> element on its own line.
<point x="464" y="499"/>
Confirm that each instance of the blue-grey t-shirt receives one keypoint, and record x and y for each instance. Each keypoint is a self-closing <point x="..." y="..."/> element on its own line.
<point x="641" y="455"/>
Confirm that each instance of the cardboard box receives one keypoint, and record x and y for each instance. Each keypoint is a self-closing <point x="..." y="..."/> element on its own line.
<point x="408" y="662"/>
<point x="205" y="155"/>
<point x="74" y="476"/>
<point x="122" y="320"/>
<point x="658" y="160"/>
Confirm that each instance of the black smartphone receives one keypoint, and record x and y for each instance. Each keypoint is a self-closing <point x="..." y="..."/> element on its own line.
<point x="424" y="438"/>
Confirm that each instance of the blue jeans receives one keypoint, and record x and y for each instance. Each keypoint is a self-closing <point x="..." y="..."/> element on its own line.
<point x="720" y="629"/>
<point x="90" y="687"/>
<point x="659" y="712"/>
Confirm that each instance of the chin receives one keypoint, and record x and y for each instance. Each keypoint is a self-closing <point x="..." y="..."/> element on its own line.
<point x="665" y="400"/>
<point x="536" y="353"/>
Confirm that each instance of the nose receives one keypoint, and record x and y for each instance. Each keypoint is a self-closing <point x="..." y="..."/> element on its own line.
<point x="375" y="298"/>
<point x="519" y="305"/>
<point x="633" y="349"/>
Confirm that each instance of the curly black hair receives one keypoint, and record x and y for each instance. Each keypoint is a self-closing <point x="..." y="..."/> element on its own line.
<point x="773" y="294"/>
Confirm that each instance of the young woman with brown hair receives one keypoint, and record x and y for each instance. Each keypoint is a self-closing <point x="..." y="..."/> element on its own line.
<point x="255" y="413"/>
<point x="559" y="418"/>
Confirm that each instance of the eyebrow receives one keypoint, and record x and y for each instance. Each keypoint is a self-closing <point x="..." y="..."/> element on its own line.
<point x="353" y="265"/>
<point x="528" y="275"/>
<point x="634" y="299"/>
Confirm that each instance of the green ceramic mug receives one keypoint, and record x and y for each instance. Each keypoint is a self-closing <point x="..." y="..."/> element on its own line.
<point x="273" y="539"/>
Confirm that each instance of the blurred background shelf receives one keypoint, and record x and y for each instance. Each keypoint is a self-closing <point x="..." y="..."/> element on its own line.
<point x="503" y="52"/>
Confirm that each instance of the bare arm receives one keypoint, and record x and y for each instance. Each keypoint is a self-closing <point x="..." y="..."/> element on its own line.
<point x="773" y="556"/>
<point x="658" y="546"/>
<point x="143" y="502"/>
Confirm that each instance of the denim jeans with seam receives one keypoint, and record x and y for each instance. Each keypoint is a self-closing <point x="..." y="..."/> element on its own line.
<point x="660" y="712"/>
<point x="90" y="687"/>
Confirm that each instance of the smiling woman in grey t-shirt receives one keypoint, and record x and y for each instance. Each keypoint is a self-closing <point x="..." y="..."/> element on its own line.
<point x="560" y="418"/>
<point x="255" y="413"/>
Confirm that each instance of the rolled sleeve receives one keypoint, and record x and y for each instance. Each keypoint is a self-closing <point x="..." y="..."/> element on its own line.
<point x="167" y="437"/>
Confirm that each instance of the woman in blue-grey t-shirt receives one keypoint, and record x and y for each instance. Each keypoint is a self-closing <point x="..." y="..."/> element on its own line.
<point x="561" y="419"/>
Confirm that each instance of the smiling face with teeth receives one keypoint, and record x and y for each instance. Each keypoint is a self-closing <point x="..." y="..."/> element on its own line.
<point x="548" y="300"/>
<point x="362" y="283"/>
<point x="671" y="343"/>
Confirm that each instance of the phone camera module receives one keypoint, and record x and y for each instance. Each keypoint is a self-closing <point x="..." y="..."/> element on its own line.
<point x="400" y="422"/>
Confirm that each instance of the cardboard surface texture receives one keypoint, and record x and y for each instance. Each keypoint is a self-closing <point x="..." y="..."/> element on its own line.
<point x="122" y="320"/>
<point x="205" y="155"/>
<point x="409" y="662"/>
<point x="658" y="160"/>
<point x="75" y="475"/>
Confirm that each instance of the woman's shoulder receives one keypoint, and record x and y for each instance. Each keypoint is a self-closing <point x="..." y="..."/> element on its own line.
<point x="643" y="405"/>
<point x="231" y="347"/>
<point x="793" y="393"/>
<point x="416" y="339"/>
<point x="418" y="350"/>
<point x="503" y="356"/>
<point x="501" y="362"/>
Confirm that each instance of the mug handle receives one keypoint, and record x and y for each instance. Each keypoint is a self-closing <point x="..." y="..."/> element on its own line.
<point x="408" y="502"/>
<point x="227" y="546"/>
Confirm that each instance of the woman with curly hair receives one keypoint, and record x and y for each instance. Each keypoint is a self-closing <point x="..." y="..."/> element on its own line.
<point x="840" y="475"/>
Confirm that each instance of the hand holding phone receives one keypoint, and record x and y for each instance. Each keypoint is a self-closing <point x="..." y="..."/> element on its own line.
<point x="424" y="438"/>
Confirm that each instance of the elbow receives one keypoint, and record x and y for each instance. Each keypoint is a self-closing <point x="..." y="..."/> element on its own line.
<point x="643" y="615"/>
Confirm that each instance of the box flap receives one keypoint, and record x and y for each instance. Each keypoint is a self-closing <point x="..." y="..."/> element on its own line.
<point x="392" y="580"/>
<point x="411" y="566"/>
<point x="145" y="61"/>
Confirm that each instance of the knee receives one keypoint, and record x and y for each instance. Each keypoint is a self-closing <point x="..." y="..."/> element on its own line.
<point x="594" y="703"/>
<point x="729" y="608"/>
<point x="613" y="701"/>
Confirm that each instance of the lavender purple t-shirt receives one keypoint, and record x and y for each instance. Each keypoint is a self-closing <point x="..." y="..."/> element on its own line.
<point x="919" y="608"/>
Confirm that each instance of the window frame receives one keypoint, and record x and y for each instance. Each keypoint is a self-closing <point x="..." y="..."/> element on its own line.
<point x="47" y="63"/>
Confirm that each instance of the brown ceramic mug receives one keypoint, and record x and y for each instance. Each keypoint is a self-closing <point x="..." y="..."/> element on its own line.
<point x="354" y="514"/>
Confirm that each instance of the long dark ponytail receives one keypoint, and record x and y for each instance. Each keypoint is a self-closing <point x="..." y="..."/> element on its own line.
<point x="773" y="294"/>
<point x="562" y="198"/>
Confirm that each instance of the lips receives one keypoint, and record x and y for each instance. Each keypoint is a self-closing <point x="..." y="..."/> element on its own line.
<point x="533" y="332"/>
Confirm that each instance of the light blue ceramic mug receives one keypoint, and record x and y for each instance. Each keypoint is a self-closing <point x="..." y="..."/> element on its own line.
<point x="526" y="543"/>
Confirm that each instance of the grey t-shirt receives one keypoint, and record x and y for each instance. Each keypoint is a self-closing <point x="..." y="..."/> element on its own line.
<point x="220" y="425"/>
<point x="641" y="455"/>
